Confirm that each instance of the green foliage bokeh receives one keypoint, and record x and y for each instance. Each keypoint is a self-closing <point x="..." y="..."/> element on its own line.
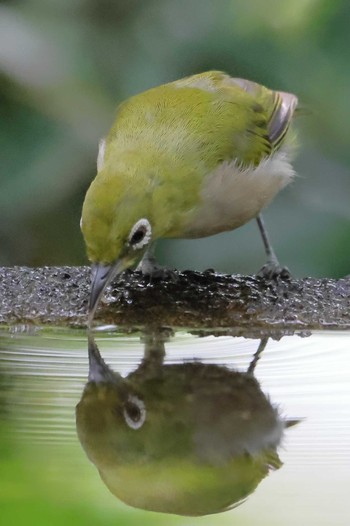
<point x="65" y="65"/>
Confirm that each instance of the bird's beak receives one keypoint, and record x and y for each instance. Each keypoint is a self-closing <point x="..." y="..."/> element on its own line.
<point x="101" y="276"/>
<point x="98" y="370"/>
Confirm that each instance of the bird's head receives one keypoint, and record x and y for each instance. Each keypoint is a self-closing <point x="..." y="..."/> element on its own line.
<point x="117" y="227"/>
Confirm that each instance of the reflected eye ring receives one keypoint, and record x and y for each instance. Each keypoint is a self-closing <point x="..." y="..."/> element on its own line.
<point x="134" y="412"/>
<point x="140" y="234"/>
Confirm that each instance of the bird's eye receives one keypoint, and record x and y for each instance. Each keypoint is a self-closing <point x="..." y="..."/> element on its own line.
<point x="134" y="412"/>
<point x="140" y="234"/>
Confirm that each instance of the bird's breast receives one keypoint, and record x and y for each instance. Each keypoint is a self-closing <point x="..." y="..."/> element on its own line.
<point x="231" y="195"/>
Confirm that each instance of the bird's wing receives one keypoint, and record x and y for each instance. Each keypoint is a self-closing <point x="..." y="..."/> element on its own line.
<point x="260" y="117"/>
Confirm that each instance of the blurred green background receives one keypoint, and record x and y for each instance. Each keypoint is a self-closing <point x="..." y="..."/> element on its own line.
<point x="66" y="64"/>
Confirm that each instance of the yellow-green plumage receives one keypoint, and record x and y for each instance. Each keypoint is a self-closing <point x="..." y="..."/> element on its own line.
<point x="162" y="146"/>
<point x="187" y="159"/>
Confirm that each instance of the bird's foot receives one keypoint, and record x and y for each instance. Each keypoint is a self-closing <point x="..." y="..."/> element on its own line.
<point x="151" y="269"/>
<point x="272" y="270"/>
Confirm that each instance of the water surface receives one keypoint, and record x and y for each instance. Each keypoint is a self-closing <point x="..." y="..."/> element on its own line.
<point x="43" y="374"/>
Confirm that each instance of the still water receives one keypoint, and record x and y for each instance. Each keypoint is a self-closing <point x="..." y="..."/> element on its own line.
<point x="197" y="428"/>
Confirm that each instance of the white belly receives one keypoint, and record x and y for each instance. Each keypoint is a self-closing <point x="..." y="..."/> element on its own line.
<point x="231" y="196"/>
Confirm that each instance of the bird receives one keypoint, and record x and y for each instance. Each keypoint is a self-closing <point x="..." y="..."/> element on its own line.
<point x="187" y="438"/>
<point x="188" y="159"/>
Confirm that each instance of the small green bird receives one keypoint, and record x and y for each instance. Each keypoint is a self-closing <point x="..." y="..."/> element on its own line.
<point x="188" y="159"/>
<point x="185" y="438"/>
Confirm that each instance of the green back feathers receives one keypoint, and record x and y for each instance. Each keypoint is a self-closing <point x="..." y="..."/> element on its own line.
<point x="205" y="119"/>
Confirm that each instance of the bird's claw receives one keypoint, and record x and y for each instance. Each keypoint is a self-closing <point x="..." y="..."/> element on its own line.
<point x="152" y="270"/>
<point x="272" y="270"/>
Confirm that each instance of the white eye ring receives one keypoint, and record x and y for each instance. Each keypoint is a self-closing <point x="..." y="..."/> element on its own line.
<point x="134" y="412"/>
<point x="101" y="154"/>
<point x="143" y="227"/>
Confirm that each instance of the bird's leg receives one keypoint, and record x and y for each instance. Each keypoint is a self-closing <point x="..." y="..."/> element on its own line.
<point x="150" y="268"/>
<point x="154" y="351"/>
<point x="257" y="355"/>
<point x="148" y="264"/>
<point x="272" y="268"/>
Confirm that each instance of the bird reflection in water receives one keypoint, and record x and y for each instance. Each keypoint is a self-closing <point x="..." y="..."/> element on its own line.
<point x="189" y="439"/>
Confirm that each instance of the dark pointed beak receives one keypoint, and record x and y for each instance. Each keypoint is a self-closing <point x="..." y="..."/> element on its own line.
<point x="98" y="369"/>
<point x="101" y="276"/>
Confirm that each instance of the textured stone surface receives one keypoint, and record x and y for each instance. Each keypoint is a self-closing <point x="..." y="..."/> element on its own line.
<point x="231" y="304"/>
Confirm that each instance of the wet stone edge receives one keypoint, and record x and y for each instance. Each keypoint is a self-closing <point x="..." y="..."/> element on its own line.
<point x="205" y="301"/>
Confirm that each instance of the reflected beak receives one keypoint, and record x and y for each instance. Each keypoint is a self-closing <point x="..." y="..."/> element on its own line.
<point x="98" y="370"/>
<point x="101" y="276"/>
